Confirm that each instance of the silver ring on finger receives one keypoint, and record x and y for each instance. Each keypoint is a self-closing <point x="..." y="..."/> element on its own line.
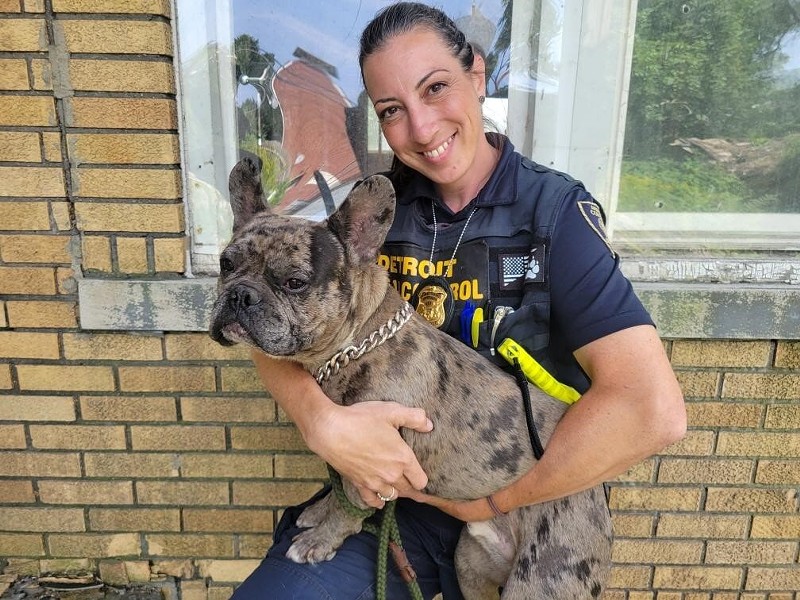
<point x="392" y="495"/>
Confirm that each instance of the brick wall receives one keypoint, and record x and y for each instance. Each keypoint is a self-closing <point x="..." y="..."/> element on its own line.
<point x="142" y="455"/>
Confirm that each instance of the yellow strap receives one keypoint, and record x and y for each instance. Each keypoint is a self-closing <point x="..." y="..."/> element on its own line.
<point x="536" y="373"/>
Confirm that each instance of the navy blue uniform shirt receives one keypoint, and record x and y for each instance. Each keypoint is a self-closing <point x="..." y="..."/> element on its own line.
<point x="500" y="257"/>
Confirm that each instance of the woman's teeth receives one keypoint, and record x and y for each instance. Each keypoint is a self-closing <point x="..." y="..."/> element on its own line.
<point x="436" y="152"/>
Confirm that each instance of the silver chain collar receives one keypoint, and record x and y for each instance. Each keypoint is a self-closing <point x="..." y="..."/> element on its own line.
<point x="376" y="338"/>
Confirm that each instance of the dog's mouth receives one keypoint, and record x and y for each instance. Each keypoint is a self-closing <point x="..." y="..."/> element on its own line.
<point x="237" y="334"/>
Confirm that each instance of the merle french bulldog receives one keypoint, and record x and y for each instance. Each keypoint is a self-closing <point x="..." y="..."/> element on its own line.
<point x="313" y="293"/>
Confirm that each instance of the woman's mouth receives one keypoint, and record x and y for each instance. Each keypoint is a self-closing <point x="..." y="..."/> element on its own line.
<point x="437" y="152"/>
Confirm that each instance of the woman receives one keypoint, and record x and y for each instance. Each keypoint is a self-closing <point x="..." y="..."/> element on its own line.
<point x="465" y="202"/>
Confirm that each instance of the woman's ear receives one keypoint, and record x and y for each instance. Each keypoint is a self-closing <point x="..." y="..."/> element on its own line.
<point x="479" y="74"/>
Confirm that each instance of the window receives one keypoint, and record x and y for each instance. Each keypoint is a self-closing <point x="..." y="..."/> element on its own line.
<point x="680" y="117"/>
<point x="712" y="137"/>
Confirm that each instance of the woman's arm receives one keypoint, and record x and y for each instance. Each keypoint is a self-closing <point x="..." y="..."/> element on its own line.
<point x="633" y="410"/>
<point x="361" y="442"/>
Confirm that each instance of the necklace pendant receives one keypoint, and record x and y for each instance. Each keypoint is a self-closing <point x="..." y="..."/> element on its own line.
<point x="433" y="300"/>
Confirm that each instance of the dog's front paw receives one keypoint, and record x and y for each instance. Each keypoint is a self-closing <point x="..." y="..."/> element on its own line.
<point x="309" y="547"/>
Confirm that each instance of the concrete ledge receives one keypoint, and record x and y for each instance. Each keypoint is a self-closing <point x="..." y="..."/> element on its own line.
<point x="140" y="305"/>
<point x="723" y="311"/>
<point x="681" y="310"/>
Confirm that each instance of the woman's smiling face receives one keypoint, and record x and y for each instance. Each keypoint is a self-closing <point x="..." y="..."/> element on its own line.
<point x="428" y="106"/>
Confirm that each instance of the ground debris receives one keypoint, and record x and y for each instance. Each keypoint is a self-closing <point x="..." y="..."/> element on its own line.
<point x="81" y="587"/>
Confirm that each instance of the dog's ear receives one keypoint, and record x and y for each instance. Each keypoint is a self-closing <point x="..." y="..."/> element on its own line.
<point x="246" y="192"/>
<point x="364" y="218"/>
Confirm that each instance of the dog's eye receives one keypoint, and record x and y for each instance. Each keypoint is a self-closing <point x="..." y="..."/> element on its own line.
<point x="293" y="284"/>
<point x="225" y="265"/>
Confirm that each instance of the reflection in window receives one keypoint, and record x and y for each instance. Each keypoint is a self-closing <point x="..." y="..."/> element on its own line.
<point x="300" y="103"/>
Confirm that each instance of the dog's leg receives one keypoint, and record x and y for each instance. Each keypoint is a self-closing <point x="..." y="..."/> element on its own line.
<point x="566" y="551"/>
<point x="316" y="513"/>
<point x="330" y="524"/>
<point x="576" y="581"/>
<point x="483" y="559"/>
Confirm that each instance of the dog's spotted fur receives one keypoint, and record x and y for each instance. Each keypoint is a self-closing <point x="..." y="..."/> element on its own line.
<point x="304" y="291"/>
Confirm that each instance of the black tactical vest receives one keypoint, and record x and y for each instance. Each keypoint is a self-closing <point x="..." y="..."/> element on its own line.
<point x="503" y="259"/>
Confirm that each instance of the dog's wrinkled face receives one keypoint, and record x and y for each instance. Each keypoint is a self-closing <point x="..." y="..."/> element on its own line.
<point x="286" y="284"/>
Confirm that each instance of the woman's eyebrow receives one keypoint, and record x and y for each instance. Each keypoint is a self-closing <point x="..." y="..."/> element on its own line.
<point x="420" y="83"/>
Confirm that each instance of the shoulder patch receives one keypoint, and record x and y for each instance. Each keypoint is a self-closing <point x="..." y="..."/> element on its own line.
<point x="593" y="215"/>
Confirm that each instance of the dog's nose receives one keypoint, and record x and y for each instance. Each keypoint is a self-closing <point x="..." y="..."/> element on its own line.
<point x="243" y="297"/>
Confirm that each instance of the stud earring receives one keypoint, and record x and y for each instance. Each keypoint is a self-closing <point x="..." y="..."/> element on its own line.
<point x="481" y="99"/>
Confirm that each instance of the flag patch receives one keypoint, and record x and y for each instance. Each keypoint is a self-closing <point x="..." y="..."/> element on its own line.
<point x="514" y="267"/>
<point x="519" y="268"/>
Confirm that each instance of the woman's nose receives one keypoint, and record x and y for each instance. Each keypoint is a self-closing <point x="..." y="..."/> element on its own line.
<point x="422" y="124"/>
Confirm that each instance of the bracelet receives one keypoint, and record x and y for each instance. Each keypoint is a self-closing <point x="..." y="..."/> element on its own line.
<point x="497" y="512"/>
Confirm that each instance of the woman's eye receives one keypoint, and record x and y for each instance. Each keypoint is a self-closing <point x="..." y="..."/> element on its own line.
<point x="388" y="113"/>
<point x="436" y="88"/>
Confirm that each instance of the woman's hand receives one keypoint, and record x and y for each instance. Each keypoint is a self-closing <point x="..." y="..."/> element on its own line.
<point x="363" y="444"/>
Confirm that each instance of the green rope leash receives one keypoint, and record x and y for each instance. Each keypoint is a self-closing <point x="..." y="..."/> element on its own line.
<point x="388" y="535"/>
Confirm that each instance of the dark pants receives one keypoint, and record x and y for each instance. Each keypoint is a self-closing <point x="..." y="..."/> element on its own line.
<point x="429" y="538"/>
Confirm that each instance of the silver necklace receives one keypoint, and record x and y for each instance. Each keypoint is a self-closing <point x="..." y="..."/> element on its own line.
<point x="436" y="229"/>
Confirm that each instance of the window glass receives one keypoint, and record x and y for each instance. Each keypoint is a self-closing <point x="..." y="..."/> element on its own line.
<point x="681" y="118"/>
<point x="280" y="79"/>
<point x="712" y="135"/>
<point x="300" y="103"/>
